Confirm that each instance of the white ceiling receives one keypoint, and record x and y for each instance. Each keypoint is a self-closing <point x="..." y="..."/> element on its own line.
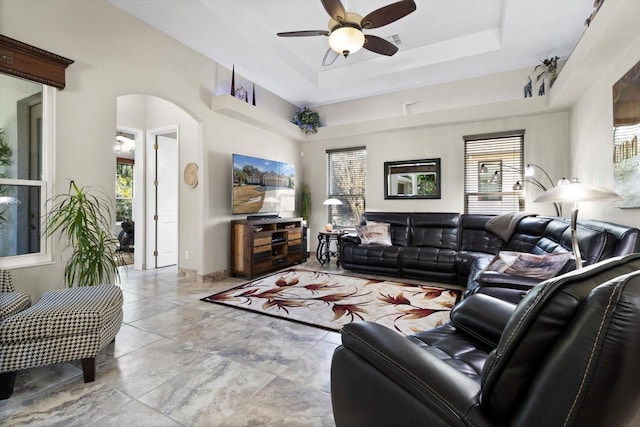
<point x="442" y="41"/>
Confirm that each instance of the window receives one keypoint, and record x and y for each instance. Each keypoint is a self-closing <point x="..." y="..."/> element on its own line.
<point x="347" y="169"/>
<point x="25" y="169"/>
<point x="493" y="167"/>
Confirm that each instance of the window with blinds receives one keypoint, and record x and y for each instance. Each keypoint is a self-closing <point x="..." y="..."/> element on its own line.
<point x="347" y="169"/>
<point x="493" y="166"/>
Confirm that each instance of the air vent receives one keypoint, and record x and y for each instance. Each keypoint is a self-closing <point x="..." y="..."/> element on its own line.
<point x="394" y="38"/>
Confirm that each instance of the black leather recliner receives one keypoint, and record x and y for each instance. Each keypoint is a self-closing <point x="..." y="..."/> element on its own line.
<point x="567" y="355"/>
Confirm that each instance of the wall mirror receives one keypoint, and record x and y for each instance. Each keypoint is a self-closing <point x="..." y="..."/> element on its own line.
<point x="412" y="179"/>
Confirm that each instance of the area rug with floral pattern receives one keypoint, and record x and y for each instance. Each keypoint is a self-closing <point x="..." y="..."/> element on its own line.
<point x="330" y="301"/>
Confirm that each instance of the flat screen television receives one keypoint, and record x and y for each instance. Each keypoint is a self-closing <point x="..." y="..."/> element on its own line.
<point x="262" y="186"/>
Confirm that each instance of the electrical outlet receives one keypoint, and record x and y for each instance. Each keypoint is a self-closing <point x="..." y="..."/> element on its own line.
<point x="186" y="254"/>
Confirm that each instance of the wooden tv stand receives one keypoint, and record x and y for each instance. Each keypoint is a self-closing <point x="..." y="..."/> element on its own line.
<point x="264" y="245"/>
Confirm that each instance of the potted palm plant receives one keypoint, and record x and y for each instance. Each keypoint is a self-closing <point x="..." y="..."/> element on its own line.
<point x="305" y="203"/>
<point x="83" y="218"/>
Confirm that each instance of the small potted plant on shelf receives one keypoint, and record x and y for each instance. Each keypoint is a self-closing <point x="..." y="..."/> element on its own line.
<point x="548" y="68"/>
<point x="307" y="120"/>
<point x="83" y="219"/>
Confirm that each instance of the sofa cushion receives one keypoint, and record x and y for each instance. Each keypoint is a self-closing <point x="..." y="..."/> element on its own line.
<point x="528" y="233"/>
<point x="541" y="267"/>
<point x="429" y="259"/>
<point x="464" y="353"/>
<point x="475" y="238"/>
<point x="437" y="230"/>
<point x="627" y="239"/>
<point x="594" y="243"/>
<point x="374" y="258"/>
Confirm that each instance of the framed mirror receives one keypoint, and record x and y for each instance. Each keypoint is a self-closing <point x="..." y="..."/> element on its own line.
<point x="412" y="179"/>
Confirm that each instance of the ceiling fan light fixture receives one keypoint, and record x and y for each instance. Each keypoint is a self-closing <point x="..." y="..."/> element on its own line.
<point x="346" y="40"/>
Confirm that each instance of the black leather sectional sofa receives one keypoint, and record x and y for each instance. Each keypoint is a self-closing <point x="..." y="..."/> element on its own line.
<point x="455" y="248"/>
<point x="566" y="355"/>
<point x="563" y="352"/>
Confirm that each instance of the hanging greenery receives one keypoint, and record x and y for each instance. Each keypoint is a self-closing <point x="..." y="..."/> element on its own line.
<point x="307" y="120"/>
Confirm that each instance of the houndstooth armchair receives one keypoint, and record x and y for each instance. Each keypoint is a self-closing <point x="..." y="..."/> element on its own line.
<point x="11" y="302"/>
<point x="65" y="325"/>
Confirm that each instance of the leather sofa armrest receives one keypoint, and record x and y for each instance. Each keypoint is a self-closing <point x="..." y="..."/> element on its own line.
<point x="447" y="393"/>
<point x="350" y="239"/>
<point x="496" y="279"/>
<point x="483" y="317"/>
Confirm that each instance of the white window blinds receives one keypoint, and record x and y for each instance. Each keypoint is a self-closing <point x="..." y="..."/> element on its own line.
<point x="493" y="166"/>
<point x="347" y="170"/>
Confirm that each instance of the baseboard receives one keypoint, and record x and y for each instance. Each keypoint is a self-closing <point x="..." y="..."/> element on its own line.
<point x="216" y="275"/>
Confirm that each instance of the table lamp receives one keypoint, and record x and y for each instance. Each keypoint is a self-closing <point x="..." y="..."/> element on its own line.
<point x="331" y="202"/>
<point x="576" y="192"/>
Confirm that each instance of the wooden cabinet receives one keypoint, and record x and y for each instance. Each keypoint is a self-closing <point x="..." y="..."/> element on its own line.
<point x="265" y="245"/>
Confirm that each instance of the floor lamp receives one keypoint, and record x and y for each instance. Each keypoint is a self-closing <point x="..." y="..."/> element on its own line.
<point x="576" y="192"/>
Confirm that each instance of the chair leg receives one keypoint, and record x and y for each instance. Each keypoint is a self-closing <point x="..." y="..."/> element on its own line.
<point x="7" y="381"/>
<point x="89" y="369"/>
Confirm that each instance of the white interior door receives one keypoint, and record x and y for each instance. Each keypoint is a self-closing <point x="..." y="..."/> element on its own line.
<point x="162" y="223"/>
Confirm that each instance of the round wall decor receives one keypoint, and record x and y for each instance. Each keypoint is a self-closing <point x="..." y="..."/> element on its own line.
<point x="191" y="175"/>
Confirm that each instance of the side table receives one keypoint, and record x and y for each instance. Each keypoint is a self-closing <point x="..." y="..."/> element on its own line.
<point x="324" y="252"/>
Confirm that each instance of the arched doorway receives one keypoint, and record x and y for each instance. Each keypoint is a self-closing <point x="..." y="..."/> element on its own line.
<point x="161" y="129"/>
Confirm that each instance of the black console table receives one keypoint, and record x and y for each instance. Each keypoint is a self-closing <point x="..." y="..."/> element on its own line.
<point x="324" y="252"/>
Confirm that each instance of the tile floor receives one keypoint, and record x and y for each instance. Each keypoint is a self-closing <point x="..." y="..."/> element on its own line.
<point x="178" y="361"/>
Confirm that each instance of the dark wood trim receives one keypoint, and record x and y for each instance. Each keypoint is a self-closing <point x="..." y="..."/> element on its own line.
<point x="125" y="160"/>
<point x="29" y="62"/>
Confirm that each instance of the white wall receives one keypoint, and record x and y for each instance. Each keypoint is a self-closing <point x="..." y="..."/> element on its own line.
<point x="546" y="137"/>
<point x="591" y="124"/>
<point x="476" y="91"/>
<point x="115" y="54"/>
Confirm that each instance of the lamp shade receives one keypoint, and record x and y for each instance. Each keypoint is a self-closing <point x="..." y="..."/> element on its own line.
<point x="577" y="192"/>
<point x="332" y="202"/>
<point x="346" y="40"/>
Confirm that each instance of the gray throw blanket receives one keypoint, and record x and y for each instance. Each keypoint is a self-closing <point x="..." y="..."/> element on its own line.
<point x="505" y="225"/>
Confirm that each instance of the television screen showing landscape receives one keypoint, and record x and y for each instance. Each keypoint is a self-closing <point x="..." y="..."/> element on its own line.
<point x="261" y="185"/>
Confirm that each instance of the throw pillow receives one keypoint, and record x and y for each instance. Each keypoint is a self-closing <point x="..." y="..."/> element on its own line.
<point x="541" y="267"/>
<point x="362" y="234"/>
<point x="376" y="233"/>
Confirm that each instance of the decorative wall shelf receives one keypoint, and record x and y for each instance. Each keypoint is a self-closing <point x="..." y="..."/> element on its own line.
<point x="614" y="25"/>
<point x="240" y="110"/>
<point x="492" y="111"/>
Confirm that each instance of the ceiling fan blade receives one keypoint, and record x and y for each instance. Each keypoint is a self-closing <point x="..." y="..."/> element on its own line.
<point x="330" y="57"/>
<point x="388" y="14"/>
<point x="304" y="33"/>
<point x="379" y="45"/>
<point x="335" y="9"/>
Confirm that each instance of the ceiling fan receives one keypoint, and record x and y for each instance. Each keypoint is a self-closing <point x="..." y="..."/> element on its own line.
<point x="345" y="29"/>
